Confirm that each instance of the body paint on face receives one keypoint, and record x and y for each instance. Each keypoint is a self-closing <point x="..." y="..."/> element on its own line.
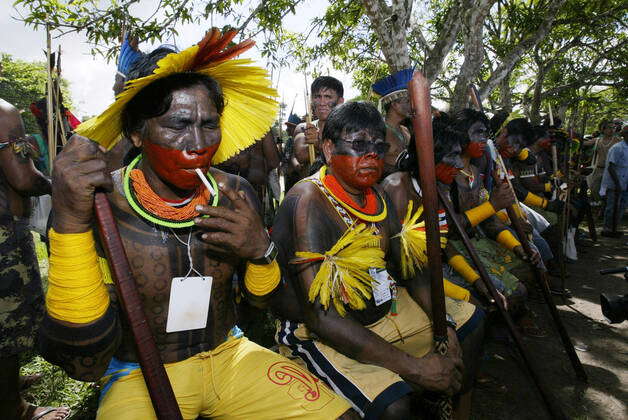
<point x="446" y="173"/>
<point x="359" y="172"/>
<point x="475" y="149"/>
<point x="176" y="167"/>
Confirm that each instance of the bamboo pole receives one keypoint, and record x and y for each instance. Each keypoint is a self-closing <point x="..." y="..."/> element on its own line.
<point x="308" y="120"/>
<point x="52" y="138"/>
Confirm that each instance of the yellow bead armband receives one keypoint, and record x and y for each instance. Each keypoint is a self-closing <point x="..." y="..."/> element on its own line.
<point x="261" y="279"/>
<point x="76" y="292"/>
<point x="462" y="267"/>
<point x="455" y="292"/>
<point x="535" y="200"/>
<point x="507" y="239"/>
<point x="480" y="213"/>
<point x="523" y="155"/>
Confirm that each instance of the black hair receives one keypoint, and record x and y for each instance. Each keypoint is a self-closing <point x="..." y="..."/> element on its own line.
<point x="523" y="127"/>
<point x="497" y="121"/>
<point x="329" y="83"/>
<point x="350" y="117"/>
<point x="147" y="63"/>
<point x="465" y="118"/>
<point x="155" y="99"/>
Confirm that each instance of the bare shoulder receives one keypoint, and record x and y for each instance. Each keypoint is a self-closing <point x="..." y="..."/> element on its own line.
<point x="395" y="180"/>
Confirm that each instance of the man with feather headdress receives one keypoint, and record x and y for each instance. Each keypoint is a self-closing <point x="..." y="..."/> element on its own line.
<point x="187" y="228"/>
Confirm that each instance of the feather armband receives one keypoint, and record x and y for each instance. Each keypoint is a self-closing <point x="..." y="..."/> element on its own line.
<point x="343" y="276"/>
<point x="414" y="241"/>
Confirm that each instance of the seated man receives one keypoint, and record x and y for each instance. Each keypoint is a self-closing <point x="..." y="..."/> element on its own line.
<point x="184" y="115"/>
<point x="346" y="310"/>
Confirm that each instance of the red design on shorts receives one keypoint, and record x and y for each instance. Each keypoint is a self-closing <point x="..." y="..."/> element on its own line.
<point x="285" y="373"/>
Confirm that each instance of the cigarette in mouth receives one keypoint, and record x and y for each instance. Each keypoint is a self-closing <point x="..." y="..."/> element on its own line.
<point x="205" y="181"/>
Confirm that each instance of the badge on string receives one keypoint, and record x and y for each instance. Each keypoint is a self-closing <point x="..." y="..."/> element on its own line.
<point x="381" y="286"/>
<point x="189" y="303"/>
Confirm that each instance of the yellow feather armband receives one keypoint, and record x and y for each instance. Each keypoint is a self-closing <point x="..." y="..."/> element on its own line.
<point x="343" y="276"/>
<point x="462" y="267"/>
<point x="262" y="279"/>
<point x="507" y="239"/>
<point x="414" y="242"/>
<point x="455" y="292"/>
<point x="535" y="200"/>
<point x="480" y="213"/>
<point x="76" y="292"/>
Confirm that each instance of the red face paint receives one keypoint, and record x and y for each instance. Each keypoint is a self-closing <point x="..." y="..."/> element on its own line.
<point x="475" y="149"/>
<point x="446" y="173"/>
<point x="176" y="167"/>
<point x="360" y="172"/>
<point x="545" y="144"/>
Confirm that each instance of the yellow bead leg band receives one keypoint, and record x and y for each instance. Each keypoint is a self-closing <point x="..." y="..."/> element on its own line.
<point x="455" y="292"/>
<point x="261" y="279"/>
<point x="535" y="200"/>
<point x="480" y="213"/>
<point x="507" y="239"/>
<point x="548" y="187"/>
<point x="462" y="267"/>
<point x="76" y="292"/>
<point x="523" y="154"/>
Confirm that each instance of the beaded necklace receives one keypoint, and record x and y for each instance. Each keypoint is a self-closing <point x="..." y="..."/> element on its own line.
<point x="153" y="208"/>
<point x="367" y="213"/>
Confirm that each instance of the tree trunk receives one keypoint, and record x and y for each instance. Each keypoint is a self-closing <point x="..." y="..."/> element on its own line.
<point x="535" y="104"/>
<point x="505" y="93"/>
<point x="390" y="23"/>
<point x="473" y="52"/>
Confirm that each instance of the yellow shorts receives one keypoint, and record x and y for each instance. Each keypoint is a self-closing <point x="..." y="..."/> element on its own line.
<point x="237" y="380"/>
<point x="369" y="388"/>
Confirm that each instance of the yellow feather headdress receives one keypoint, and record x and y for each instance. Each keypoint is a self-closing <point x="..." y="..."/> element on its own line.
<point x="414" y="242"/>
<point x="344" y="275"/>
<point x="249" y="105"/>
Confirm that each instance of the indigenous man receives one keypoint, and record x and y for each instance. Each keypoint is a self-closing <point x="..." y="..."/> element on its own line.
<point x="396" y="106"/>
<point x="346" y="310"/>
<point x="602" y="145"/>
<point x="184" y="242"/>
<point x="326" y="93"/>
<point x="21" y="296"/>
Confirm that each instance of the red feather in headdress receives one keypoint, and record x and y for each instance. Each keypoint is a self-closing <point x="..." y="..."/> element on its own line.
<point x="212" y="48"/>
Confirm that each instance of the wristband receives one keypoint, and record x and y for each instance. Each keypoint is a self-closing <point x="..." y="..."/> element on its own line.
<point x="535" y="200"/>
<point x="76" y="292"/>
<point x="507" y="240"/>
<point x="503" y="216"/>
<point x="260" y="279"/>
<point x="548" y="187"/>
<point x="480" y="213"/>
<point x="462" y="267"/>
<point x="455" y="292"/>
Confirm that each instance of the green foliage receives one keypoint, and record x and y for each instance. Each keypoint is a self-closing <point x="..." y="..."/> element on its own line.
<point x="22" y="83"/>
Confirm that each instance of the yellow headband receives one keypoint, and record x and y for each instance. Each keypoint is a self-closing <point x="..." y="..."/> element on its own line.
<point x="250" y="109"/>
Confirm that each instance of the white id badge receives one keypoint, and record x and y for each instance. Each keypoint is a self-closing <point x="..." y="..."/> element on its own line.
<point x="381" y="286"/>
<point x="189" y="303"/>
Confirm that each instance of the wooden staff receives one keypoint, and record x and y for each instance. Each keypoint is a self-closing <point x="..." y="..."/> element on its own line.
<point x="419" y="90"/>
<point x="159" y="388"/>
<point x="550" y="401"/>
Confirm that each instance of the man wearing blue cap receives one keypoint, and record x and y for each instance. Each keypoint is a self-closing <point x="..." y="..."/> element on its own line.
<point x="395" y="103"/>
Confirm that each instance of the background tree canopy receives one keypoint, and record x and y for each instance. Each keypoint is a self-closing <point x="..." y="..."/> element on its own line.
<point x="22" y="83"/>
<point x="524" y="54"/>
